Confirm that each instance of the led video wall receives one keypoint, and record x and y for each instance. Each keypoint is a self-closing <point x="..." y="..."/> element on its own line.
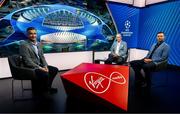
<point x="144" y="23"/>
<point x="62" y="25"/>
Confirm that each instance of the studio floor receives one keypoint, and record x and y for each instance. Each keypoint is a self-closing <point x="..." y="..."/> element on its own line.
<point x="164" y="97"/>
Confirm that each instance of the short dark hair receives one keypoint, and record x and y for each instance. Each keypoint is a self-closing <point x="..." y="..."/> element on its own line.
<point x="160" y="33"/>
<point x="30" y="28"/>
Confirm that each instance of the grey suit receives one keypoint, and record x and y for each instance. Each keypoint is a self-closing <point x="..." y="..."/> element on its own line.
<point x="30" y="58"/>
<point x="122" y="53"/>
<point x="122" y="49"/>
<point x="43" y="80"/>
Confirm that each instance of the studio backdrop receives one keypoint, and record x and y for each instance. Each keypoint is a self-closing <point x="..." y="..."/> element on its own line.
<point x="62" y="25"/>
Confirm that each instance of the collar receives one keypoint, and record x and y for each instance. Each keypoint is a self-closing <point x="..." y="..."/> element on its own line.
<point x="159" y="43"/>
<point x="119" y="42"/>
<point x="35" y="44"/>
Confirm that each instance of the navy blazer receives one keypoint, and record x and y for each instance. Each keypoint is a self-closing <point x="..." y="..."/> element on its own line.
<point x="160" y="54"/>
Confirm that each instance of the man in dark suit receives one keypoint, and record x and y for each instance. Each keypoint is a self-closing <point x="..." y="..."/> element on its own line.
<point x="118" y="51"/>
<point x="33" y="57"/>
<point x="157" y="54"/>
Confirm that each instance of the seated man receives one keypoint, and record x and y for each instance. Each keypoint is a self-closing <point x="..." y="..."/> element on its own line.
<point x="118" y="51"/>
<point x="33" y="57"/>
<point x="157" y="54"/>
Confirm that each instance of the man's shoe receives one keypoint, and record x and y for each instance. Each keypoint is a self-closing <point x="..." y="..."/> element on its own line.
<point x="52" y="90"/>
<point x="143" y="84"/>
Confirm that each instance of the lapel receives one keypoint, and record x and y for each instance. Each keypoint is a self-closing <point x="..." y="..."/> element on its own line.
<point x="39" y="50"/>
<point x="32" y="48"/>
<point x="160" y="47"/>
<point x="157" y="48"/>
<point x="120" y="46"/>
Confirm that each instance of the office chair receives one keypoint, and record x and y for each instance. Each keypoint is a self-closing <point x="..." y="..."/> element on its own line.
<point x="19" y="72"/>
<point x="161" y="67"/>
<point x="156" y="72"/>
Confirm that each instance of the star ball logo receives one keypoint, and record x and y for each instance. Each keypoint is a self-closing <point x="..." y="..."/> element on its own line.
<point x="127" y="25"/>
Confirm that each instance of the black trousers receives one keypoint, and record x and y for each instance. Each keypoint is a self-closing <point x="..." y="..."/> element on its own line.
<point x="137" y="65"/>
<point x="43" y="80"/>
<point x="119" y="60"/>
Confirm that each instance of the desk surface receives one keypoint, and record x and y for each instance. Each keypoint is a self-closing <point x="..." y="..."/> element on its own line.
<point x="109" y="82"/>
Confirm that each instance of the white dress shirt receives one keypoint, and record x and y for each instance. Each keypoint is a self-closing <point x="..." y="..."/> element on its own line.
<point x="117" y="48"/>
<point x="36" y="49"/>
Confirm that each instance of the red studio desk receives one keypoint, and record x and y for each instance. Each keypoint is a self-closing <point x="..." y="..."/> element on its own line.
<point x="99" y="83"/>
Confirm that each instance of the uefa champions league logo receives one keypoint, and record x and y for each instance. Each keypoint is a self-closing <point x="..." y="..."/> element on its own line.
<point x="127" y="25"/>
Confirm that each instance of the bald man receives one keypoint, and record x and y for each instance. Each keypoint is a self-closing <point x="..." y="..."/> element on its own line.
<point x="118" y="51"/>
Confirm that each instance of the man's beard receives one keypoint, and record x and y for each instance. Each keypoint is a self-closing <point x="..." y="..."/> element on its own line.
<point x="32" y="40"/>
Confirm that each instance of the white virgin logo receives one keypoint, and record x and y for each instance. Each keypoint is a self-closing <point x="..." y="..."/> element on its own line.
<point x="93" y="81"/>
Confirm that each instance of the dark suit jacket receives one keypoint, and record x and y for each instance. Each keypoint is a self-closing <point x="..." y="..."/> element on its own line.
<point x="29" y="56"/>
